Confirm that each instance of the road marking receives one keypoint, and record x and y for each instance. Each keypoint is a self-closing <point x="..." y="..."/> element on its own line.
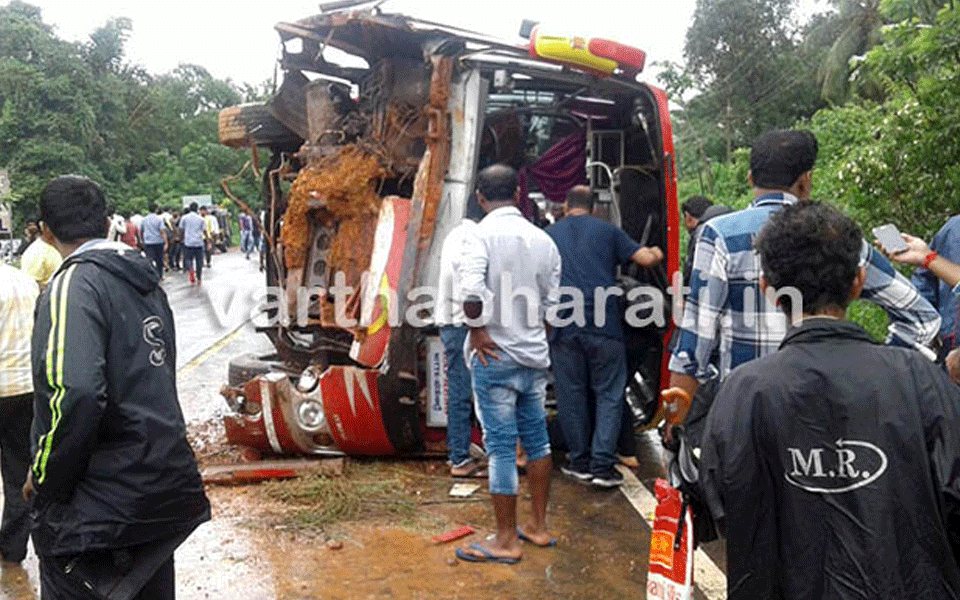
<point x="206" y="354"/>
<point x="706" y="575"/>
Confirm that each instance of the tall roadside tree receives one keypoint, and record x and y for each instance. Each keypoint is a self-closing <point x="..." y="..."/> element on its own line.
<point x="81" y="108"/>
<point x="743" y="57"/>
<point x="853" y="28"/>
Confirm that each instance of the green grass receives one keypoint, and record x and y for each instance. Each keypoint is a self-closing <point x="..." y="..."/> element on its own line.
<point x="318" y="501"/>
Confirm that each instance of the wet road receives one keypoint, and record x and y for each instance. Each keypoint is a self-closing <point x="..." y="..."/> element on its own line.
<point x="225" y="300"/>
<point x="219" y="553"/>
<point x="603" y="536"/>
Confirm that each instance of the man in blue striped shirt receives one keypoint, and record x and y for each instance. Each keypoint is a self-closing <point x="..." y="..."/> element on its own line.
<point x="725" y="308"/>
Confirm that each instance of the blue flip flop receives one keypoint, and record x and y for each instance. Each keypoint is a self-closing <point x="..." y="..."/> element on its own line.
<point x="523" y="538"/>
<point x="487" y="556"/>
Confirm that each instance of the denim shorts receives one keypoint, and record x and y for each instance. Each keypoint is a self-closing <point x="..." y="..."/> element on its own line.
<point x="510" y="404"/>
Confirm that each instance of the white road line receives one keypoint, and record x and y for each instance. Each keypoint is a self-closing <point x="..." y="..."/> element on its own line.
<point x="706" y="575"/>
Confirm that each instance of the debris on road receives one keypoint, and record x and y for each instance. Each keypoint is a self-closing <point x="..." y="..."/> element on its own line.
<point x="254" y="472"/>
<point x="452" y="535"/>
<point x="463" y="490"/>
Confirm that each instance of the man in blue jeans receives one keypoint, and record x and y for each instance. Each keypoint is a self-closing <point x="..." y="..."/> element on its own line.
<point x="453" y="333"/>
<point x="510" y="274"/>
<point x="589" y="357"/>
<point x="246" y="234"/>
<point x="193" y="227"/>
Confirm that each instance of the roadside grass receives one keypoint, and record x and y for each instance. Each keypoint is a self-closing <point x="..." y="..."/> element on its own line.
<point x="368" y="492"/>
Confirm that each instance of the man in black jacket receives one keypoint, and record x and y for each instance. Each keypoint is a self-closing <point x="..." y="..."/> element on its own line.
<point x="833" y="465"/>
<point x="114" y="482"/>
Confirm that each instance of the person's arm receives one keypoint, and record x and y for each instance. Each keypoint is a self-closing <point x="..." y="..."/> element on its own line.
<point x="699" y="323"/>
<point x="71" y="390"/>
<point x="916" y="254"/>
<point x="473" y="280"/>
<point x="914" y="323"/>
<point x="550" y="283"/>
<point x="630" y="251"/>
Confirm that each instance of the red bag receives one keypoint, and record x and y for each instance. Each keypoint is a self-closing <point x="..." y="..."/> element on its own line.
<point x="670" y="571"/>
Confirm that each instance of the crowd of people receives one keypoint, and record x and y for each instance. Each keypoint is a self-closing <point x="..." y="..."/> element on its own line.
<point x="829" y="462"/>
<point x="816" y="445"/>
<point x="171" y="239"/>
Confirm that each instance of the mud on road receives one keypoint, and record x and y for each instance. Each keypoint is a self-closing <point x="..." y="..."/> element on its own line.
<point x="380" y="516"/>
<point x="273" y="541"/>
<point x="382" y="548"/>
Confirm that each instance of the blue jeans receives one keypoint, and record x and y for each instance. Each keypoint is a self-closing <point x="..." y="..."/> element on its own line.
<point x="584" y="363"/>
<point x="459" y="394"/>
<point x="246" y="241"/>
<point x="510" y="399"/>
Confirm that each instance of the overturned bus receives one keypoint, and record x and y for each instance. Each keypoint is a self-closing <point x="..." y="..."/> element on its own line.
<point x="375" y="137"/>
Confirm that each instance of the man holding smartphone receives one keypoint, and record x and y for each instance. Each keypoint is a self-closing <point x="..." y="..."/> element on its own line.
<point x="938" y="279"/>
<point x="727" y="312"/>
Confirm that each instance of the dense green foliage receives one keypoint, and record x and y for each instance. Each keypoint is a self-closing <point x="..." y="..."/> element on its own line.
<point x="80" y="108"/>
<point x="885" y="78"/>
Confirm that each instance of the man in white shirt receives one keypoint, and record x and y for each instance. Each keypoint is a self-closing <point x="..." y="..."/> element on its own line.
<point x="510" y="272"/>
<point x="118" y="226"/>
<point x="212" y="231"/>
<point x="18" y="296"/>
<point x="453" y="333"/>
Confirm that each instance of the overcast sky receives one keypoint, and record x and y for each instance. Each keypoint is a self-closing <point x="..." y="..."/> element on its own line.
<point x="240" y="43"/>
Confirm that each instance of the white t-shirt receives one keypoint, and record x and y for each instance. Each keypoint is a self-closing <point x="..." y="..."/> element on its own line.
<point x="118" y="227"/>
<point x="505" y="248"/>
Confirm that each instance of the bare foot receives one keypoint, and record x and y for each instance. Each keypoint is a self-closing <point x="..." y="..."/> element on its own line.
<point x="630" y="462"/>
<point x="537" y="537"/>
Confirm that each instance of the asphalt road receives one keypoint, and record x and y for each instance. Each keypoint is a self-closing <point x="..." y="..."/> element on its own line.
<point x="206" y="312"/>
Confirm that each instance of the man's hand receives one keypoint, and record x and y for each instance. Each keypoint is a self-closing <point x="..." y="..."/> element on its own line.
<point x="916" y="252"/>
<point x="649" y="256"/>
<point x="28" y="490"/>
<point x="482" y="344"/>
<point x="953" y="365"/>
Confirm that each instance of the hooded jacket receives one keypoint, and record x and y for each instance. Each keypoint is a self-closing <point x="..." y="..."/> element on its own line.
<point x="112" y="466"/>
<point x="833" y="466"/>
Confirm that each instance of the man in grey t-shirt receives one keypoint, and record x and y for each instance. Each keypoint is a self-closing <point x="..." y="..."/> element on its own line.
<point x="192" y="225"/>
<point x="154" y="236"/>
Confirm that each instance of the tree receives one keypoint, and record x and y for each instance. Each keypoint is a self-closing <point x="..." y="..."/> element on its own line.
<point x="849" y="33"/>
<point x="749" y="73"/>
<point x="80" y="108"/>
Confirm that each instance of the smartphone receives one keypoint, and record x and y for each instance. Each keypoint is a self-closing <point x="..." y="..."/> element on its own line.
<point x="889" y="237"/>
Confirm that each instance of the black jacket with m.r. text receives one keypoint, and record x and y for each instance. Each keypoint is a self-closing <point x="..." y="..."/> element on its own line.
<point x="112" y="467"/>
<point x="834" y="466"/>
